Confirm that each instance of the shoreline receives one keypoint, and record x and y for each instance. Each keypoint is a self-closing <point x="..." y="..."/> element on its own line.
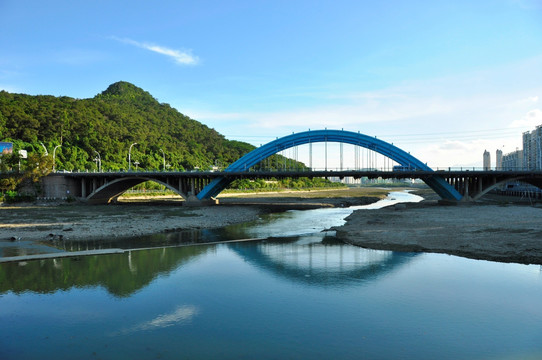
<point x="509" y="233"/>
<point x="503" y="232"/>
<point x="31" y="229"/>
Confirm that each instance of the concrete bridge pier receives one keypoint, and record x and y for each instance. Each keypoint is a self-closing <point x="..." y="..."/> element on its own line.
<point x="473" y="186"/>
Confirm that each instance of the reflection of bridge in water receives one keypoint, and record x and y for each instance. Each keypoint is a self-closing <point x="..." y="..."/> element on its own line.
<point x="326" y="263"/>
<point x="453" y="185"/>
<point x="307" y="260"/>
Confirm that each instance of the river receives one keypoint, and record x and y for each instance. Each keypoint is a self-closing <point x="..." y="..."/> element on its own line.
<point x="299" y="293"/>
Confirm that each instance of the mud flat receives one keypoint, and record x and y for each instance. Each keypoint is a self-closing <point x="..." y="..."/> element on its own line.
<point x="82" y="222"/>
<point x="147" y="216"/>
<point x="505" y="233"/>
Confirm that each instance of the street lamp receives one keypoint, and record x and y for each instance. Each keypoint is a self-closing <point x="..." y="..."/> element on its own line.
<point x="136" y="163"/>
<point x="54" y="151"/>
<point x="164" y="158"/>
<point x="129" y="157"/>
<point x="44" y="148"/>
<point x="99" y="158"/>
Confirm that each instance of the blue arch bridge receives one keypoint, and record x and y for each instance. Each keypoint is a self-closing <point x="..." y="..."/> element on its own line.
<point x="202" y="187"/>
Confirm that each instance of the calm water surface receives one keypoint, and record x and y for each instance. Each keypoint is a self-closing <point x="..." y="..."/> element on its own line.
<point x="290" y="296"/>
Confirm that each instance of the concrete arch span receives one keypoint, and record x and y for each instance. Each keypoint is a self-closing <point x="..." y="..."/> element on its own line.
<point x="498" y="181"/>
<point x="112" y="190"/>
<point x="436" y="182"/>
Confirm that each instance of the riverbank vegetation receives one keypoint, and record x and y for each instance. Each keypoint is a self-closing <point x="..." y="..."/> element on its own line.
<point x="99" y="132"/>
<point x="121" y="128"/>
<point x="282" y="184"/>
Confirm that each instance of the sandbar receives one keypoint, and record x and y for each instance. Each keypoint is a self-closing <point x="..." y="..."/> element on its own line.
<point x="486" y="231"/>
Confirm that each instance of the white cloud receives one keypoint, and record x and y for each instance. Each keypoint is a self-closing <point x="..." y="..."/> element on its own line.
<point x="528" y="100"/>
<point x="181" y="57"/>
<point x="469" y="153"/>
<point x="532" y="119"/>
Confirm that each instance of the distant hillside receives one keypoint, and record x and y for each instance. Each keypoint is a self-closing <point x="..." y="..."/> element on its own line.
<point x="108" y="124"/>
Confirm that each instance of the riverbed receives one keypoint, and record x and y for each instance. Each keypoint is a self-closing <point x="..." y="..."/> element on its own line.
<point x="298" y="293"/>
<point x="497" y="232"/>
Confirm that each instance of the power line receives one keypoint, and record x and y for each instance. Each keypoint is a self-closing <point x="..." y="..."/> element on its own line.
<point x="465" y="134"/>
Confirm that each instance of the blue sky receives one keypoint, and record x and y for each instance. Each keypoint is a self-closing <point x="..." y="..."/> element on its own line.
<point x="444" y="80"/>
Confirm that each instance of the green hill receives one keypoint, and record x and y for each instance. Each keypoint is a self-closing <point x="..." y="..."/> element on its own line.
<point x="108" y="124"/>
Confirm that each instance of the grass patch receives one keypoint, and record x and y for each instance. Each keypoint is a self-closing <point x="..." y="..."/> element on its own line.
<point x="344" y="192"/>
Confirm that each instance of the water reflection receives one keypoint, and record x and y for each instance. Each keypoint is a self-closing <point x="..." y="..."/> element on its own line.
<point x="320" y="260"/>
<point x="176" y="238"/>
<point x="120" y="274"/>
<point x="288" y="297"/>
<point x="316" y="259"/>
<point x="183" y="314"/>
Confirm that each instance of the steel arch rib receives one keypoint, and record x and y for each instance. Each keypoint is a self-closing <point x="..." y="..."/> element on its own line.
<point x="436" y="182"/>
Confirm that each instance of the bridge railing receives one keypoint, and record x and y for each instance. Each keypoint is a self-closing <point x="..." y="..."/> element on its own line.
<point x="290" y="169"/>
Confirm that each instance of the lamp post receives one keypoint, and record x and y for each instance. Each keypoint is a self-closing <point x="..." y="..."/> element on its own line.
<point x="136" y="163"/>
<point x="164" y="159"/>
<point x="44" y="148"/>
<point x="99" y="158"/>
<point x="129" y="157"/>
<point x="54" y="153"/>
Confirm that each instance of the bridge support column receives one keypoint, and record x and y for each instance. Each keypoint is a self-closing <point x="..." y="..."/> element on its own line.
<point x="192" y="199"/>
<point x="83" y="188"/>
<point x="459" y="185"/>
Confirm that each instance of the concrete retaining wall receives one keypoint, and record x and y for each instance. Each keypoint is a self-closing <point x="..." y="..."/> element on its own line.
<point x="59" y="187"/>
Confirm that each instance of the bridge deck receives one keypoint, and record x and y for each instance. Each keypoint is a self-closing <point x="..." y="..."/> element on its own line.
<point x="385" y="174"/>
<point x="105" y="187"/>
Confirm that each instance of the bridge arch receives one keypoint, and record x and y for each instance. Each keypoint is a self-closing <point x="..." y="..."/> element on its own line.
<point x="110" y="191"/>
<point x="501" y="180"/>
<point x="436" y="182"/>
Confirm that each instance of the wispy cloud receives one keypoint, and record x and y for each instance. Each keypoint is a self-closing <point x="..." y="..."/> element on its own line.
<point x="181" y="57"/>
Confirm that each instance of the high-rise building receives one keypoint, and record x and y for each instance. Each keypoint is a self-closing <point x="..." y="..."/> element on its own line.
<point x="498" y="160"/>
<point x="532" y="149"/>
<point x="513" y="160"/>
<point x="487" y="160"/>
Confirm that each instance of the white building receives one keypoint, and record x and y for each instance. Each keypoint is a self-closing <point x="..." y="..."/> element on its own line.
<point x="532" y="149"/>
<point x="487" y="160"/>
<point x="498" y="160"/>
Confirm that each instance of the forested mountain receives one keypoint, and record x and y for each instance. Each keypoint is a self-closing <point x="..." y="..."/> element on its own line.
<point x="108" y="124"/>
